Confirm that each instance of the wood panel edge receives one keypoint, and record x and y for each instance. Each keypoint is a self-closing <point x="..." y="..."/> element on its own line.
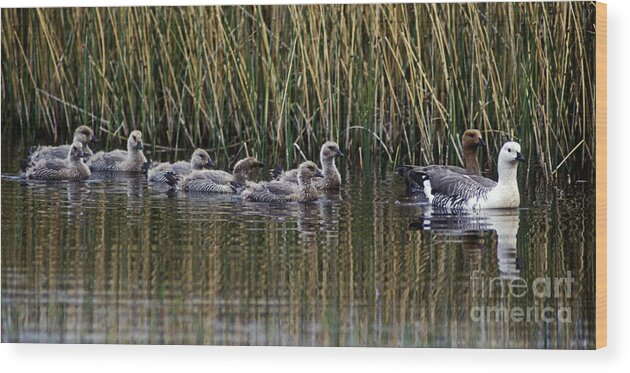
<point x="601" y="336"/>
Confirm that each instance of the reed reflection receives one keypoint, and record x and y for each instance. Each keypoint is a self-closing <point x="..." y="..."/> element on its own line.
<point x="471" y="227"/>
<point x="118" y="260"/>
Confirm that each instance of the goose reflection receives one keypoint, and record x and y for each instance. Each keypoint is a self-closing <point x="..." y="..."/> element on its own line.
<point x="469" y="229"/>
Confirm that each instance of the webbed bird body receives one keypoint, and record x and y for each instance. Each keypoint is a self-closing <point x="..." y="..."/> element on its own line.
<point x="286" y="191"/>
<point x="471" y="141"/>
<point x="55" y="169"/>
<point x="452" y="190"/>
<point x="199" y="160"/>
<point x="130" y="160"/>
<point x="83" y="134"/>
<point x="332" y="178"/>
<point x="217" y="181"/>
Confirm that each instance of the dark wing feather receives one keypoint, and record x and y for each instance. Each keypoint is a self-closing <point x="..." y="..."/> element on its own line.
<point x="454" y="190"/>
<point x="406" y="172"/>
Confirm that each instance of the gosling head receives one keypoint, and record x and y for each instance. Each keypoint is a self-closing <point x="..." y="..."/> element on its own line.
<point x="510" y="154"/>
<point x="247" y="167"/>
<point x="308" y="170"/>
<point x="134" y="142"/>
<point x="84" y="135"/>
<point x="329" y="151"/>
<point x="471" y="139"/>
<point x="201" y="159"/>
<point x="76" y="152"/>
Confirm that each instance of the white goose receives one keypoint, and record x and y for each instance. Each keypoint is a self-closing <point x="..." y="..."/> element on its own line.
<point x="453" y="190"/>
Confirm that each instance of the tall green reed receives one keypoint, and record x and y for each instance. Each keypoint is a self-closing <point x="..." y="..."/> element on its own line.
<point x="393" y="82"/>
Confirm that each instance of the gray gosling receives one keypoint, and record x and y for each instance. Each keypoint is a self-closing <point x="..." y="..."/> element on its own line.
<point x="199" y="160"/>
<point x="217" y="181"/>
<point x="83" y="134"/>
<point x="130" y="160"/>
<point x="332" y="178"/>
<point x="279" y="191"/>
<point x="471" y="141"/>
<point x="55" y="169"/>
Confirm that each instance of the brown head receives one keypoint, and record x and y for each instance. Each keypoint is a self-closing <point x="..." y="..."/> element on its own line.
<point x="201" y="159"/>
<point x="134" y="142"/>
<point x="307" y="171"/>
<point x="84" y="135"/>
<point x="246" y="167"/>
<point x="329" y="151"/>
<point x="471" y="140"/>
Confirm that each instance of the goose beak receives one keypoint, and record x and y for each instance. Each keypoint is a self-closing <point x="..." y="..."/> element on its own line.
<point x="340" y="153"/>
<point x="319" y="173"/>
<point x="139" y="146"/>
<point x="210" y="164"/>
<point x="519" y="157"/>
<point x="481" y="142"/>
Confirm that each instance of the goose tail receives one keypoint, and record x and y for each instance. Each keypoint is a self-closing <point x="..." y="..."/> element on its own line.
<point x="24" y="164"/>
<point x="171" y="179"/>
<point x="237" y="186"/>
<point x="403" y="169"/>
<point x="423" y="179"/>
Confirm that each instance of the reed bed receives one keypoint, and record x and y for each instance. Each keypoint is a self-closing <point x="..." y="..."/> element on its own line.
<point x="394" y="82"/>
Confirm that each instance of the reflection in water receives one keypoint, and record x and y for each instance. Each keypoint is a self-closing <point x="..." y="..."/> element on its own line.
<point x="471" y="226"/>
<point x="117" y="260"/>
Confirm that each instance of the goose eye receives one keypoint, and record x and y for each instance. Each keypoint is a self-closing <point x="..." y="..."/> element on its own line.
<point x="510" y="150"/>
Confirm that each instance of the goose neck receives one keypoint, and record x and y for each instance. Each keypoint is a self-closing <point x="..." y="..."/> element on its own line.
<point x="470" y="159"/>
<point x="507" y="174"/>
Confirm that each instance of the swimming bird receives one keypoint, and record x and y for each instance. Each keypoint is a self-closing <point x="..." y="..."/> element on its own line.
<point x="82" y="134"/>
<point x="199" y="160"/>
<point x="131" y="159"/>
<point x="332" y="178"/>
<point x="286" y="191"/>
<point x="452" y="190"/>
<point x="471" y="141"/>
<point x="71" y="168"/>
<point x="217" y="181"/>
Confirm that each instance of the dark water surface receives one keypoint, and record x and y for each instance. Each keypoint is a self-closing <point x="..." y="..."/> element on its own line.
<point x="117" y="260"/>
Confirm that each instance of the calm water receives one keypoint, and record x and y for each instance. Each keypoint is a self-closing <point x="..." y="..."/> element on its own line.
<point x="117" y="260"/>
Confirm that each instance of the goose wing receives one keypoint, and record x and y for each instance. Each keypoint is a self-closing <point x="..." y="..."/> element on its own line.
<point x="216" y="176"/>
<point x="289" y="176"/>
<point x="450" y="170"/>
<point x="42" y="152"/>
<point x="281" y="189"/>
<point x="109" y="159"/>
<point x="406" y="172"/>
<point x="453" y="188"/>
<point x="157" y="173"/>
<point x="273" y="191"/>
<point x="181" y="167"/>
<point x="52" y="164"/>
